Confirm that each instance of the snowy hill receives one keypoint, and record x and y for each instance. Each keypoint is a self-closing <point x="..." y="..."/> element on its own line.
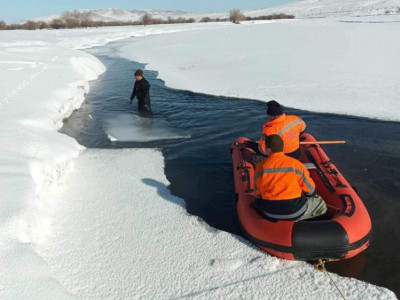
<point x="333" y="8"/>
<point x="299" y="8"/>
<point x="114" y="14"/>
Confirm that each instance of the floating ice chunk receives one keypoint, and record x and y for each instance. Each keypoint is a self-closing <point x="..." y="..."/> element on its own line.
<point x="111" y="138"/>
<point x="133" y="128"/>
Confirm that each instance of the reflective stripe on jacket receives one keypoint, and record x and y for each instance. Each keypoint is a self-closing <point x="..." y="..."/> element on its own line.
<point x="288" y="127"/>
<point x="279" y="182"/>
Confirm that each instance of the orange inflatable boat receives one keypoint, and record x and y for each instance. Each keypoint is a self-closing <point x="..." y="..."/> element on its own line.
<point x="344" y="235"/>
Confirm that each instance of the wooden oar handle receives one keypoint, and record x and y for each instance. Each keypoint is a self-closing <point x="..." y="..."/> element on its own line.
<point x="323" y="143"/>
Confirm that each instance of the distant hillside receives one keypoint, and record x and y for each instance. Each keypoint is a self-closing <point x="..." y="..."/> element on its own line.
<point x="299" y="8"/>
<point x="332" y="8"/>
<point x="115" y="14"/>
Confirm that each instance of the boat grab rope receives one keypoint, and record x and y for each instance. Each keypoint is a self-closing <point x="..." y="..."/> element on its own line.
<point x="320" y="266"/>
<point x="328" y="166"/>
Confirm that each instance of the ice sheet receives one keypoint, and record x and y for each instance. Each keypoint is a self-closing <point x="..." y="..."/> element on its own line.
<point x="321" y="65"/>
<point x="39" y="87"/>
<point x="133" y="128"/>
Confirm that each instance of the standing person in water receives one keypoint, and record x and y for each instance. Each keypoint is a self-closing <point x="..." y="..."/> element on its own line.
<point x="141" y="90"/>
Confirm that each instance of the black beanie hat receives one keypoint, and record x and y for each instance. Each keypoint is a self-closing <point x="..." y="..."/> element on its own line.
<point x="139" y="73"/>
<point x="274" y="108"/>
<point x="274" y="142"/>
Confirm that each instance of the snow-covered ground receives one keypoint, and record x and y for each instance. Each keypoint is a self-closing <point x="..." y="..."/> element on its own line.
<point x="91" y="37"/>
<point x="43" y="78"/>
<point x="52" y="240"/>
<point x="39" y="87"/>
<point x="124" y="236"/>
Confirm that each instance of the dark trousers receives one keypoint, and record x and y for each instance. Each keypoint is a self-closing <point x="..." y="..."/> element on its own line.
<point x="145" y="110"/>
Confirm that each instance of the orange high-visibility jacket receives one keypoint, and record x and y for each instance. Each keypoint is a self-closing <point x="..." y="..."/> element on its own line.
<point x="288" y="127"/>
<point x="280" y="177"/>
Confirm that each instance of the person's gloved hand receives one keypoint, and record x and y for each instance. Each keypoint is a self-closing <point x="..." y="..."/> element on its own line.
<point x="250" y="144"/>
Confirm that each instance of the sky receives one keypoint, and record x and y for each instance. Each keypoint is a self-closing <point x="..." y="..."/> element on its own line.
<point x="16" y="11"/>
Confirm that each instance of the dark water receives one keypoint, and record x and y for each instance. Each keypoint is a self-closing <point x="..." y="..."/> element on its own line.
<point x="199" y="167"/>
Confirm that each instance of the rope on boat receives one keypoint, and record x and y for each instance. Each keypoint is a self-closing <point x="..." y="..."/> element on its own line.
<point x="320" y="266"/>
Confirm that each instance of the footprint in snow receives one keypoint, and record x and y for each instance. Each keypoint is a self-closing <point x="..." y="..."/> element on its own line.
<point x="226" y="264"/>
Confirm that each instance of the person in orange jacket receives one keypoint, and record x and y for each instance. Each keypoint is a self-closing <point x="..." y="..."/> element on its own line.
<point x="284" y="189"/>
<point x="289" y="127"/>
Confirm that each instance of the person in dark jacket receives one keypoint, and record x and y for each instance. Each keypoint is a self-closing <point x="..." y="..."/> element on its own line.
<point x="141" y="91"/>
